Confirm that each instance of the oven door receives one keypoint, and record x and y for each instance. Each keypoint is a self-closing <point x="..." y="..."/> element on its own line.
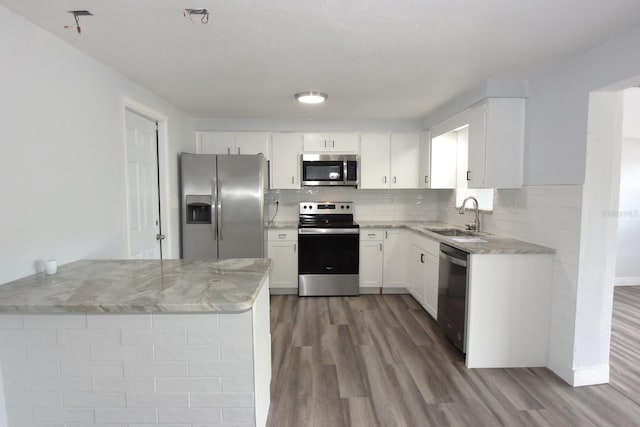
<point x="328" y="261"/>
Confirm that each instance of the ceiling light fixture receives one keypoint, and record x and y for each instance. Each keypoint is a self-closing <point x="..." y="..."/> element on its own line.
<point x="311" y="97"/>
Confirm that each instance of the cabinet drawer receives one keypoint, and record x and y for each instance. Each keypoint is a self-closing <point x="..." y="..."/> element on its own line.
<point x="369" y="234"/>
<point x="429" y="245"/>
<point x="282" y="234"/>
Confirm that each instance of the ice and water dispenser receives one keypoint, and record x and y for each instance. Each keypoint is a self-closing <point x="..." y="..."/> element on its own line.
<point x="198" y="209"/>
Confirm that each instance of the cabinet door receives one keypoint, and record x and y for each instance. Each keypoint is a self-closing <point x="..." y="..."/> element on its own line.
<point x="215" y="143"/>
<point x="374" y="160"/>
<point x="405" y="152"/>
<point x="284" y="269"/>
<point x="370" y="264"/>
<point x="252" y="143"/>
<point x="417" y="274"/>
<point x="394" y="265"/>
<point x="424" y="162"/>
<point x="316" y="142"/>
<point x="477" y="147"/>
<point x="285" y="160"/>
<point x="344" y="142"/>
<point x="430" y="299"/>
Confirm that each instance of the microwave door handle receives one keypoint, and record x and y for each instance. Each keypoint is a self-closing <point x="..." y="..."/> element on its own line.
<point x="344" y="171"/>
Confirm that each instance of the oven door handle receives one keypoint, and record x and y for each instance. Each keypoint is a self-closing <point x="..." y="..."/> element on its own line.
<point x="322" y="231"/>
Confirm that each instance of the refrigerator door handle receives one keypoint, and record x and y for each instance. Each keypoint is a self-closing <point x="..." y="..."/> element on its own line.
<point x="219" y="219"/>
<point x="213" y="209"/>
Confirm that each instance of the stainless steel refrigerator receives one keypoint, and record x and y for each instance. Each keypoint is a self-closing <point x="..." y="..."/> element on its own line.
<point x="223" y="206"/>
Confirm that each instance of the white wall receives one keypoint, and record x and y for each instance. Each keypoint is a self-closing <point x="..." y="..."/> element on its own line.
<point x="309" y="125"/>
<point x="62" y="164"/>
<point x="628" y="213"/>
<point x="557" y="108"/>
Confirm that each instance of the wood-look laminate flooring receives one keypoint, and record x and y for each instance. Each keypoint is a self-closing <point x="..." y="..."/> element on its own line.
<point x="380" y="360"/>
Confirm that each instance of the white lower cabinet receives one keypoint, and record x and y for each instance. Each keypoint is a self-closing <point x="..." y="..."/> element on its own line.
<point x="394" y="266"/>
<point x="423" y="280"/>
<point x="371" y="257"/>
<point x="282" y="248"/>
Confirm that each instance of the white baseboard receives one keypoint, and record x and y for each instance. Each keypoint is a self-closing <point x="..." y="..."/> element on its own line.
<point x="627" y="281"/>
<point x="591" y="376"/>
<point x="369" y="291"/>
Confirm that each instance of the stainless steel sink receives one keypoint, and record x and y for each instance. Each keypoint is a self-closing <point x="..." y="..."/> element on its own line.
<point x="452" y="232"/>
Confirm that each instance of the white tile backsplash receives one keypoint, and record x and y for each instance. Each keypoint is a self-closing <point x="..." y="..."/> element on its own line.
<point x="370" y="205"/>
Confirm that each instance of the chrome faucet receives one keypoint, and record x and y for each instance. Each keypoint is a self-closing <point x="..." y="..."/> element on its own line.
<point x="475" y="226"/>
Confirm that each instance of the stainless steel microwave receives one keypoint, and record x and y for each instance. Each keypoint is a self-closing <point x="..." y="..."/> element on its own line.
<point x="329" y="169"/>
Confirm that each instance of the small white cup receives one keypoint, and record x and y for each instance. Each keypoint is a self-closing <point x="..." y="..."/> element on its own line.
<point x="51" y="267"/>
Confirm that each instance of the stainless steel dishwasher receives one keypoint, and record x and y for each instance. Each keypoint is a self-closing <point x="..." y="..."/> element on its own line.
<point x="453" y="287"/>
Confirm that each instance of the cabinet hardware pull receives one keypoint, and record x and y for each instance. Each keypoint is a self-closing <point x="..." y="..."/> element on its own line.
<point x="333" y="144"/>
<point x="238" y="150"/>
<point x="422" y="258"/>
<point x="325" y="143"/>
<point x="425" y="179"/>
<point x="228" y="150"/>
<point x="386" y="234"/>
<point x="372" y="234"/>
<point x="468" y="173"/>
<point x="380" y="247"/>
<point x="292" y="179"/>
<point x="394" y="180"/>
<point x="295" y="245"/>
<point x="384" y="181"/>
<point x="282" y="236"/>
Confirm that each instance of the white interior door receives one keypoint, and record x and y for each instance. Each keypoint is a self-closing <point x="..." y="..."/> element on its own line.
<point x="143" y="207"/>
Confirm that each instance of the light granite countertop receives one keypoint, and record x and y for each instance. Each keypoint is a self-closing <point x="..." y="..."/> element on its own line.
<point x="139" y="286"/>
<point x="283" y="224"/>
<point x="493" y="244"/>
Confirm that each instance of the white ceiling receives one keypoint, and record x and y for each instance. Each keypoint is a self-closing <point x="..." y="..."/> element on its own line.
<point x="393" y="59"/>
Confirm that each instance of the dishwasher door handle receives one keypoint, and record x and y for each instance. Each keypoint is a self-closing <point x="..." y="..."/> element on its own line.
<point x="456" y="261"/>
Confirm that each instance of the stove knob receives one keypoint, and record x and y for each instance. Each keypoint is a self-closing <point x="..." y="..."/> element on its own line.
<point x="304" y="207"/>
<point x="348" y="206"/>
<point x="342" y="207"/>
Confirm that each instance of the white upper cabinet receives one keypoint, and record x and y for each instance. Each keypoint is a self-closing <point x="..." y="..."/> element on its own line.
<point x="389" y="161"/>
<point x="405" y="154"/>
<point x="375" y="164"/>
<point x="216" y="142"/>
<point x="285" y="160"/>
<point x="330" y="142"/>
<point x="496" y="143"/>
<point x="233" y="143"/>
<point x="424" y="162"/>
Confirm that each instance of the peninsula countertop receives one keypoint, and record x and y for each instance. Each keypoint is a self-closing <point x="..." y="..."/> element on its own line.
<point x="139" y="286"/>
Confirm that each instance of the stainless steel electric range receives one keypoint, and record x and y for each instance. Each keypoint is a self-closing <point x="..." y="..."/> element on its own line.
<point x="329" y="244"/>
